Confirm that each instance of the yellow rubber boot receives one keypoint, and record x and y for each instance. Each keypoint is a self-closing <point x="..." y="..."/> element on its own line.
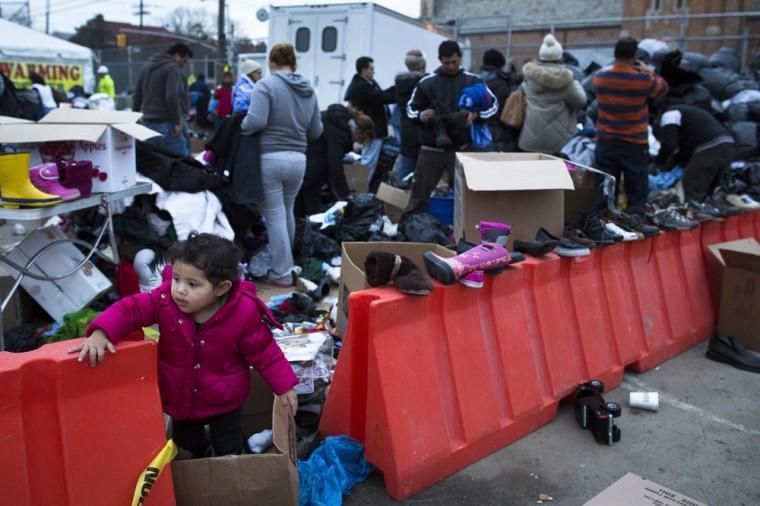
<point x="15" y="187"/>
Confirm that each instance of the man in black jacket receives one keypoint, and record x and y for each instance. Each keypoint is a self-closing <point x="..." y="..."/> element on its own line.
<point x="694" y="139"/>
<point x="366" y="95"/>
<point x="502" y="84"/>
<point x="324" y="161"/>
<point x="434" y="104"/>
<point x="411" y="131"/>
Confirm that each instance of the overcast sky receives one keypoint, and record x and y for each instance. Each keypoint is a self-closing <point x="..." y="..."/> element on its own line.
<point x="66" y="15"/>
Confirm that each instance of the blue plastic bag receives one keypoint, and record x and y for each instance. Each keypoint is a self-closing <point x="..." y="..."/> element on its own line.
<point x="480" y="135"/>
<point x="331" y="471"/>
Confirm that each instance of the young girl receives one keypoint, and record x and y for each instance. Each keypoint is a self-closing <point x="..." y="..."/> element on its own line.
<point x="213" y="327"/>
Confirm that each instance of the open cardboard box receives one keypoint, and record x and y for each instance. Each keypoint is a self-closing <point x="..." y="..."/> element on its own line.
<point x="241" y="480"/>
<point x="525" y="190"/>
<point x="106" y="138"/>
<point x="394" y="200"/>
<point x="739" y="312"/>
<point x="353" y="277"/>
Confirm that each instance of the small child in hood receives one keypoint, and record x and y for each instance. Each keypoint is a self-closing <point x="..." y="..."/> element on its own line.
<point x="212" y="329"/>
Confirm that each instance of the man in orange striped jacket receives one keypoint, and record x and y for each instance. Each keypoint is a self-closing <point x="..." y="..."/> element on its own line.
<point x="623" y="91"/>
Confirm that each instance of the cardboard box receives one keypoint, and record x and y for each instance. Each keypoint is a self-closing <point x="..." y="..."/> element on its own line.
<point x="525" y="190"/>
<point x="106" y="138"/>
<point x="716" y="265"/>
<point x="394" y="199"/>
<point x="267" y="478"/>
<point x="353" y="277"/>
<point x="65" y="295"/>
<point x="633" y="490"/>
<point x="357" y="177"/>
<point x="739" y="314"/>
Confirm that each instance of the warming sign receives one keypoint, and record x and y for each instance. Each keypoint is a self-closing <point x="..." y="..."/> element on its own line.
<point x="58" y="75"/>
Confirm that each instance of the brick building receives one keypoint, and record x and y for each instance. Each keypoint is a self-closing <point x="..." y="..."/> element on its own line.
<point x="589" y="28"/>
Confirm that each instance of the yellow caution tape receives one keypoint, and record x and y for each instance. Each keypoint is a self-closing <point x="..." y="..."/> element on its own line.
<point x="148" y="477"/>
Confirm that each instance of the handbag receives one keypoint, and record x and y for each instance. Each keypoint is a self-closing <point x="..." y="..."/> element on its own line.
<point x="513" y="114"/>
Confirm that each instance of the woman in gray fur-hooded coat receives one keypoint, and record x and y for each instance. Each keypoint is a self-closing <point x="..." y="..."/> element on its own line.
<point x="553" y="99"/>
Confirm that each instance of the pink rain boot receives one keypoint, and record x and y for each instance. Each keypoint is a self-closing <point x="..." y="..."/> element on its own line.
<point x="77" y="174"/>
<point x="490" y="231"/>
<point x="482" y="257"/>
<point x="45" y="178"/>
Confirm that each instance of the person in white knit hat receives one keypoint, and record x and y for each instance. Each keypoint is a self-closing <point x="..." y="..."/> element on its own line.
<point x="553" y="99"/>
<point x="250" y="73"/>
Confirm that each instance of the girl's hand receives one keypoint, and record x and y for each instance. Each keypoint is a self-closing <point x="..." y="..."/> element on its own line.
<point x="289" y="401"/>
<point x="95" y="346"/>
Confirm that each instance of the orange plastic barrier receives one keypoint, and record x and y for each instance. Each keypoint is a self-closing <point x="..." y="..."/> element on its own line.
<point x="433" y="384"/>
<point x="72" y="435"/>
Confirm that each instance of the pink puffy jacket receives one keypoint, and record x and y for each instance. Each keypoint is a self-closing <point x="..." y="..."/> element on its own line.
<point x="204" y="373"/>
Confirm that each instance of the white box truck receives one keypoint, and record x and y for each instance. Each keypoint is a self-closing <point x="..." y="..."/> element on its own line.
<point x="329" y="38"/>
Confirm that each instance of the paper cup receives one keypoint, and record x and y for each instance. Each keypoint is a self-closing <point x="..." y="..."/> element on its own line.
<point x="645" y="400"/>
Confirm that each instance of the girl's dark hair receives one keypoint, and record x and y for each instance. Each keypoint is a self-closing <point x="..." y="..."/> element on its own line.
<point x="36" y="78"/>
<point x="217" y="257"/>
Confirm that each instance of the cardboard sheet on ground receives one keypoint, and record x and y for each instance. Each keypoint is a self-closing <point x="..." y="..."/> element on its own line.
<point x="633" y="490"/>
<point x="302" y="347"/>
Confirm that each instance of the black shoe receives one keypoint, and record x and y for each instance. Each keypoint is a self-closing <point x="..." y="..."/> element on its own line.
<point x="724" y="208"/>
<point x="702" y="211"/>
<point x="565" y="247"/>
<point x="635" y="223"/>
<point x="536" y="249"/>
<point x="572" y="233"/>
<point x="728" y="350"/>
<point x="593" y="227"/>
<point x="670" y="219"/>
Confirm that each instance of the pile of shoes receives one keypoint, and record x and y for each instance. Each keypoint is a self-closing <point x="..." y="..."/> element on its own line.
<point x="43" y="185"/>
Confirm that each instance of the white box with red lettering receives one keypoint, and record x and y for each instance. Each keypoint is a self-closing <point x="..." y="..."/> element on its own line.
<point x="106" y="138"/>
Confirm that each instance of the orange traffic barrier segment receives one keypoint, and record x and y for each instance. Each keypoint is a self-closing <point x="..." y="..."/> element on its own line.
<point x="432" y="384"/>
<point x="74" y="435"/>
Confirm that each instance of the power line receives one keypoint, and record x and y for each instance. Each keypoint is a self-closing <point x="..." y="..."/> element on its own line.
<point x="141" y="12"/>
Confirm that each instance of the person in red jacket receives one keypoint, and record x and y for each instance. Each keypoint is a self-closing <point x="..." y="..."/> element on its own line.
<point x="213" y="329"/>
<point x="223" y="95"/>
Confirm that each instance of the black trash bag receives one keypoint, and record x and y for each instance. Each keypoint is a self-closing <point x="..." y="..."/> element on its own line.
<point x="588" y="86"/>
<point x="357" y="218"/>
<point x="423" y="227"/>
<point x="754" y="65"/>
<point x="22" y="338"/>
<point x="174" y="172"/>
<point x="726" y="58"/>
<point x="746" y="137"/>
<point x="722" y="83"/>
<point x="311" y="243"/>
<point x="694" y="62"/>
<point x="754" y="111"/>
<point x="738" y="112"/>
<point x="674" y="74"/>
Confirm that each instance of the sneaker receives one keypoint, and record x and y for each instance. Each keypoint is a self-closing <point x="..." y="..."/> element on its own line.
<point x="593" y="227"/>
<point x="725" y="208"/>
<point x="572" y="233"/>
<point x="475" y="279"/>
<point x="634" y="222"/>
<point x="627" y="235"/>
<point x="702" y="211"/>
<point x="670" y="219"/>
<point x="565" y="247"/>
<point x="743" y="201"/>
<point x="537" y="248"/>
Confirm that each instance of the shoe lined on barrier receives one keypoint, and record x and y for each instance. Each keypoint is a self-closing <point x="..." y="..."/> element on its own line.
<point x="743" y="202"/>
<point x="702" y="211"/>
<point x="594" y="227"/>
<point x="671" y="220"/>
<point x="627" y="235"/>
<point x="633" y="222"/>
<point x="565" y="247"/>
<point x="725" y="208"/>
<point x="483" y="257"/>
<point x="490" y="231"/>
<point x="383" y="267"/>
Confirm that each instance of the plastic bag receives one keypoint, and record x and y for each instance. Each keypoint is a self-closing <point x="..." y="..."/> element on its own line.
<point x="312" y="243"/>
<point x="746" y="135"/>
<point x="727" y="58"/>
<point x="423" y="227"/>
<point x="357" y="219"/>
<point x="331" y="471"/>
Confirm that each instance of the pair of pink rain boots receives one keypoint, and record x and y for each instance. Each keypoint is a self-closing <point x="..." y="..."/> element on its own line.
<point x="45" y="178"/>
<point x="468" y="268"/>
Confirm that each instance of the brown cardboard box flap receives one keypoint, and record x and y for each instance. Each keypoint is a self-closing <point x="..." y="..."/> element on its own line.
<point x="30" y="133"/>
<point x="746" y="245"/>
<point x="396" y="197"/>
<point x="633" y="490"/>
<point x="507" y="173"/>
<point x="746" y="261"/>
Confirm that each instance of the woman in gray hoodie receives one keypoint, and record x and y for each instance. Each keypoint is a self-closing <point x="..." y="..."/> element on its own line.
<point x="284" y="109"/>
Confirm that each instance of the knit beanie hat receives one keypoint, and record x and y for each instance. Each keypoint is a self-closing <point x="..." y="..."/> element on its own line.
<point x="415" y="60"/>
<point x="248" y="66"/>
<point x="551" y="50"/>
<point x="493" y="58"/>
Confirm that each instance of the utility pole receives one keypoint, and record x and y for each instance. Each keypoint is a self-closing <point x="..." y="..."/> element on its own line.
<point x="141" y="12"/>
<point x="222" y="39"/>
<point x="47" y="16"/>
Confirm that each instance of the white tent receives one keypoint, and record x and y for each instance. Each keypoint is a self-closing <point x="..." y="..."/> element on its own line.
<point x="23" y="50"/>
